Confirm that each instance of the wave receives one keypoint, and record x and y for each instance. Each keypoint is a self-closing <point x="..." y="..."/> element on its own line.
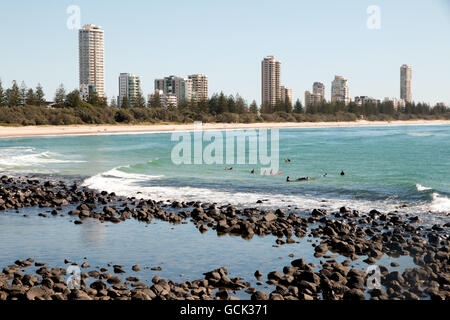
<point x="421" y="188"/>
<point x="18" y="157"/>
<point x="145" y="186"/>
<point x="440" y="203"/>
<point x="427" y="134"/>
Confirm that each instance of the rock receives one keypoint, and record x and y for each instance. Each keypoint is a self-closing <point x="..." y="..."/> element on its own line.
<point x="258" y="274"/>
<point x="269" y="217"/>
<point x="354" y="294"/>
<point x="98" y="285"/>
<point x="85" y="265"/>
<point x="136" y="268"/>
<point x="259" y="295"/>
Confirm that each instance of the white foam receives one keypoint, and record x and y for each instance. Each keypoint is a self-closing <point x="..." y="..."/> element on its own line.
<point x="427" y="134"/>
<point x="421" y="188"/>
<point x="20" y="157"/>
<point x="440" y="203"/>
<point x="130" y="185"/>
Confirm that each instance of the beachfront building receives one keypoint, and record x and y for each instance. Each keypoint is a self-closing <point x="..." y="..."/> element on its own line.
<point x="199" y="87"/>
<point x="130" y="87"/>
<point x="270" y="81"/>
<point x="165" y="100"/>
<point x="319" y="88"/>
<point x="360" y="100"/>
<point x="312" y="99"/>
<point x="339" y="90"/>
<point x="91" y="59"/>
<point x="179" y="87"/>
<point x="317" y="96"/>
<point x="398" y="104"/>
<point x="405" y="83"/>
<point x="286" y="95"/>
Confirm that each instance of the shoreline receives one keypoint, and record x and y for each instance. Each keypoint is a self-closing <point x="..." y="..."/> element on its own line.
<point x="34" y="131"/>
<point x="329" y="280"/>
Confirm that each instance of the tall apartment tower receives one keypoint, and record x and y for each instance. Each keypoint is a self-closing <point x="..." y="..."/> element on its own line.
<point x="319" y="88"/>
<point x="179" y="87"/>
<point x="339" y="90"/>
<point x="405" y="83"/>
<point x="130" y="87"/>
<point x="199" y="87"/>
<point x="286" y="94"/>
<point x="270" y="80"/>
<point x="91" y="59"/>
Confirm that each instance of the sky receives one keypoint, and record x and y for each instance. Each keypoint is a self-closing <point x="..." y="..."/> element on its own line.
<point x="227" y="39"/>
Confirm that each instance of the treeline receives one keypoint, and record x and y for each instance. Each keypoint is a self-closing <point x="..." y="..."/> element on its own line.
<point x="27" y="106"/>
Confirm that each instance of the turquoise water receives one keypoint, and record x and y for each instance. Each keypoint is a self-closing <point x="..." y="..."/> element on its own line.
<point x="386" y="168"/>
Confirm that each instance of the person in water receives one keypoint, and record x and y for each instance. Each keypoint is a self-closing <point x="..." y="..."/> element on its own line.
<point x="342" y="173"/>
<point x="253" y="171"/>
<point x="288" y="179"/>
<point x="325" y="175"/>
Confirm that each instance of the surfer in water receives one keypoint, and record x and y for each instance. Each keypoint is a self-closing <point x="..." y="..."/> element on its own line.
<point x="342" y="173"/>
<point x="253" y="171"/>
<point x="288" y="179"/>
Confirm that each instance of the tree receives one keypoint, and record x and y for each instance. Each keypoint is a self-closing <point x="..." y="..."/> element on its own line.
<point x="113" y="103"/>
<point x="2" y="95"/>
<point x="102" y="102"/>
<point x="22" y="93"/>
<point x="125" y="104"/>
<point x="93" y="98"/>
<point x="155" y="100"/>
<point x="60" y="95"/>
<point x="139" y="101"/>
<point x="30" y="98"/>
<point x="12" y="95"/>
<point x="73" y="99"/>
<point x="254" y="107"/>
<point x="298" y="108"/>
<point x="39" y="95"/>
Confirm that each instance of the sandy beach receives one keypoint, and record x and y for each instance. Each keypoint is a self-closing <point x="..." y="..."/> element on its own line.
<point x="23" y="131"/>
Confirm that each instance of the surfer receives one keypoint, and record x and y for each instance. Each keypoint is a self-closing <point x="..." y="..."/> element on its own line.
<point x="288" y="179"/>
<point x="253" y="171"/>
<point x="342" y="173"/>
<point x="325" y="175"/>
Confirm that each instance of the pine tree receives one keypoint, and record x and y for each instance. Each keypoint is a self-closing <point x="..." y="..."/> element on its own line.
<point x="113" y="103"/>
<point x="60" y="95"/>
<point x="39" y="95"/>
<point x="2" y="95"/>
<point x="125" y="104"/>
<point x="254" y="107"/>
<point x="298" y="108"/>
<point x="13" y="95"/>
<point x="22" y="93"/>
<point x="73" y="99"/>
<point x="30" y="98"/>
<point x="139" y="101"/>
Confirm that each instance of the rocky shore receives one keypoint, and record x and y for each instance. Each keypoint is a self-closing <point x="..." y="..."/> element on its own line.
<point x="347" y="233"/>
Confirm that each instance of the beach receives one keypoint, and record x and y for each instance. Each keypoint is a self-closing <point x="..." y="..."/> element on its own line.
<point x="23" y="131"/>
<point x="137" y="226"/>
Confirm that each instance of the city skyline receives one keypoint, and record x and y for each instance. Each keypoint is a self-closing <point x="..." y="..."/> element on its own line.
<point x="368" y="74"/>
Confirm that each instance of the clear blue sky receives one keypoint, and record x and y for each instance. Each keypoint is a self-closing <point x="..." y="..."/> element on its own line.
<point x="227" y="40"/>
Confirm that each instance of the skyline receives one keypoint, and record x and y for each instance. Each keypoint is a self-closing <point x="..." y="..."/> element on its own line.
<point x="324" y="57"/>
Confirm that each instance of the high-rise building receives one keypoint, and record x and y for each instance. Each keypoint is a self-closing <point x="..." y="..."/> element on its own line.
<point x="179" y="87"/>
<point x="199" y="87"/>
<point x="319" y="88"/>
<point x="270" y="81"/>
<point x="91" y="59"/>
<point x="361" y="100"/>
<point x="286" y="94"/>
<point x="312" y="99"/>
<point x="317" y="96"/>
<point x="405" y="83"/>
<point x="339" y="90"/>
<point x="165" y="100"/>
<point x="130" y="87"/>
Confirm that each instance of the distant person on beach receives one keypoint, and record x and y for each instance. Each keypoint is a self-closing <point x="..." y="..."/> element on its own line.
<point x="342" y="173"/>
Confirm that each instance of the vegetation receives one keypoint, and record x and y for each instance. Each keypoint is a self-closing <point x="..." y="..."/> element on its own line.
<point x="27" y="106"/>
